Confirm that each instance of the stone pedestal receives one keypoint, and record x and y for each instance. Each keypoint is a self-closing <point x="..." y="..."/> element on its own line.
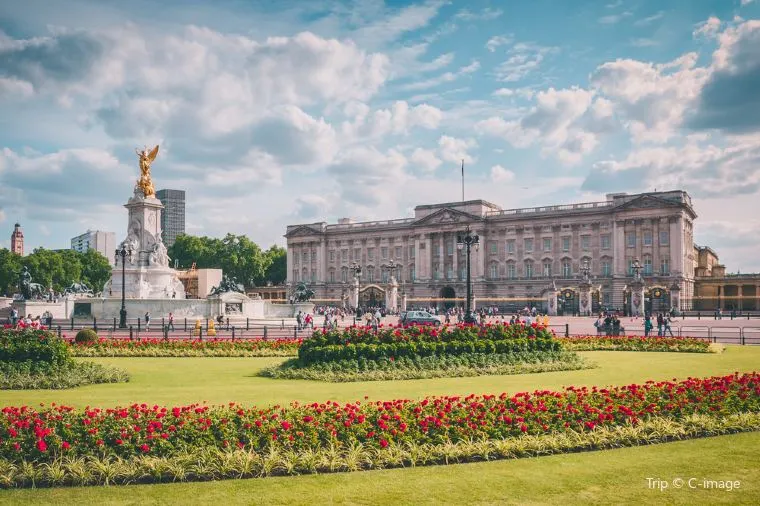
<point x="146" y="267"/>
<point x="551" y="302"/>
<point x="584" y="304"/>
<point x="355" y="295"/>
<point x="637" y="299"/>
<point x="391" y="295"/>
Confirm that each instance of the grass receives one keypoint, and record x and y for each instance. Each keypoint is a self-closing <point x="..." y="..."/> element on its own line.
<point x="177" y="381"/>
<point x="607" y="477"/>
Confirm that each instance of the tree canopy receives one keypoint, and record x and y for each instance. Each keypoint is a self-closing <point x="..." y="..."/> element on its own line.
<point x="56" y="269"/>
<point x="236" y="255"/>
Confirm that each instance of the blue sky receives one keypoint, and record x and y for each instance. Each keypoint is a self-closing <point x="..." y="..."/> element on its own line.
<point x="275" y="113"/>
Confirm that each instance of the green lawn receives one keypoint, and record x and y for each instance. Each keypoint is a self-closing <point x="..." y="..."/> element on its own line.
<point x="608" y="477"/>
<point x="173" y="381"/>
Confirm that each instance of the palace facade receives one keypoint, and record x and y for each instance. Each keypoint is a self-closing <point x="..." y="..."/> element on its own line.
<point x="524" y="255"/>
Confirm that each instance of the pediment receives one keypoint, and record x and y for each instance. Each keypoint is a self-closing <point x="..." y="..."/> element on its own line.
<point x="447" y="216"/>
<point x="303" y="230"/>
<point x="647" y="202"/>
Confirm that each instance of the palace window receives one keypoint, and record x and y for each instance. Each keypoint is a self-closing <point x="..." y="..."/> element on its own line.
<point x="664" y="238"/>
<point x="384" y="252"/>
<point x="664" y="266"/>
<point x="630" y="239"/>
<point x="493" y="248"/>
<point x="313" y="255"/>
<point x="295" y="258"/>
<point x="566" y="243"/>
<point x="510" y="246"/>
<point x="411" y="251"/>
<point x="630" y="267"/>
<point x="547" y="243"/>
<point x="332" y="255"/>
<point x="647" y="265"/>
<point x="370" y="253"/>
<point x="567" y="269"/>
<point x="605" y="241"/>
<point x="585" y="242"/>
<point x="398" y="252"/>
<point x="344" y="275"/>
<point x="385" y="275"/>
<point x="436" y="271"/>
<point x="606" y="268"/>
<point x="357" y="254"/>
<point x="529" y="269"/>
<point x="528" y="245"/>
<point x="494" y="271"/>
<point x="547" y="268"/>
<point x="305" y="257"/>
<point x="449" y="272"/>
<point x="332" y="276"/>
<point x="647" y="237"/>
<point x="450" y="248"/>
<point x="462" y="273"/>
<point x="370" y="274"/>
<point x="511" y="271"/>
<point x="411" y="273"/>
<point x="344" y="255"/>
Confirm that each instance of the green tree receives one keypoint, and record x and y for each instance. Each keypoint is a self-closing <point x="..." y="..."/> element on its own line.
<point x="10" y="267"/>
<point x="96" y="270"/>
<point x="278" y="266"/>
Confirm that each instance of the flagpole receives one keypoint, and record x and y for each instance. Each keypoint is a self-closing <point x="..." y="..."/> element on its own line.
<point x="463" y="180"/>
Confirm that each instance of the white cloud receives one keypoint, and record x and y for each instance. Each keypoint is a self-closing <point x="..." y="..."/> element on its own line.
<point x="443" y="78"/>
<point x="397" y="120"/>
<point x="425" y="159"/>
<point x="10" y="87"/>
<point x="611" y="19"/>
<point x="486" y="14"/>
<point x="556" y="122"/>
<point x="452" y="149"/>
<point x="501" y="175"/>
<point x="496" y="41"/>
<point x="746" y="2"/>
<point x="650" y="19"/>
<point x="523" y="59"/>
<point x="709" y="28"/>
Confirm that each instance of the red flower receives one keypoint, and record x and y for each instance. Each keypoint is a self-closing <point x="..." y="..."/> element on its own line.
<point x="42" y="445"/>
<point x="383" y="443"/>
<point x="145" y="448"/>
<point x="285" y="425"/>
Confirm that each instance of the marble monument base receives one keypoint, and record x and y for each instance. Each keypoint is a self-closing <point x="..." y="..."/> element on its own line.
<point x="147" y="283"/>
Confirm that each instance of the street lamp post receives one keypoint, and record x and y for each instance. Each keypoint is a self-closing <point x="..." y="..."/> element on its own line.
<point x="357" y="270"/>
<point x="466" y="241"/>
<point x="123" y="312"/>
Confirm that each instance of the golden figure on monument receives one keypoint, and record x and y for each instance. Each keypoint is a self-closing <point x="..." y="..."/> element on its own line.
<point x="146" y="158"/>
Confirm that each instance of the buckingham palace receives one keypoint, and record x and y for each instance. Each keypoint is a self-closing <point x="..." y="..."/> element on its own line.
<point x="524" y="256"/>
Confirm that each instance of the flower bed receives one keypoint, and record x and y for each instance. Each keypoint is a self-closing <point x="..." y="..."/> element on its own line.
<point x="636" y="343"/>
<point x="35" y="358"/>
<point x="187" y="348"/>
<point x="330" y="436"/>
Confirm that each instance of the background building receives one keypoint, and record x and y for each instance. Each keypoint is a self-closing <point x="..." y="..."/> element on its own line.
<point x="17" y="240"/>
<point x="198" y="283"/>
<point x="103" y="242"/>
<point x="524" y="254"/>
<point x="173" y="215"/>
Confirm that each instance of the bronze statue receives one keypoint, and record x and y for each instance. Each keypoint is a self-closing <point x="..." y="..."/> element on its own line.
<point x="145" y="183"/>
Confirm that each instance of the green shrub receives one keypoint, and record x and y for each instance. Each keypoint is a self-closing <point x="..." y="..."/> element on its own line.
<point x="86" y="336"/>
<point x="35" y="346"/>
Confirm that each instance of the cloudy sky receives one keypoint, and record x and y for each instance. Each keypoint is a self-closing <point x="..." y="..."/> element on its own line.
<point x="317" y="110"/>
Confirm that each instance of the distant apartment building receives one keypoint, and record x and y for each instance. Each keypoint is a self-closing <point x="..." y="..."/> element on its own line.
<point x="17" y="240"/>
<point x="103" y="242"/>
<point x="173" y="215"/>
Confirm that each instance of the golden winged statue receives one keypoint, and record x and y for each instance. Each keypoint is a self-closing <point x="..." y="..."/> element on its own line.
<point x="146" y="158"/>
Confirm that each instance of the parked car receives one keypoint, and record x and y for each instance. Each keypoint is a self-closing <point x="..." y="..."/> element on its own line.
<point x="418" y="318"/>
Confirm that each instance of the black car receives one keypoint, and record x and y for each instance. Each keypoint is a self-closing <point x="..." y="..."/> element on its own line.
<point x="418" y="318"/>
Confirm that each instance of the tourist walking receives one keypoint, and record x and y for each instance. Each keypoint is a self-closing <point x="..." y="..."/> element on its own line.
<point x="171" y="322"/>
<point x="147" y="320"/>
<point x="647" y="325"/>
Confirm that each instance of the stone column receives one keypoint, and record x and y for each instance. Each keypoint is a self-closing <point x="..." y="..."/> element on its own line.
<point x="289" y="260"/>
<point x="322" y="262"/>
<point x="417" y="259"/>
<point x="428" y="258"/>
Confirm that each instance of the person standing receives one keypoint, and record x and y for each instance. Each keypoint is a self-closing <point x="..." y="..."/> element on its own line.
<point x="647" y="325"/>
<point x="171" y="322"/>
<point x="147" y="320"/>
<point x="660" y="324"/>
